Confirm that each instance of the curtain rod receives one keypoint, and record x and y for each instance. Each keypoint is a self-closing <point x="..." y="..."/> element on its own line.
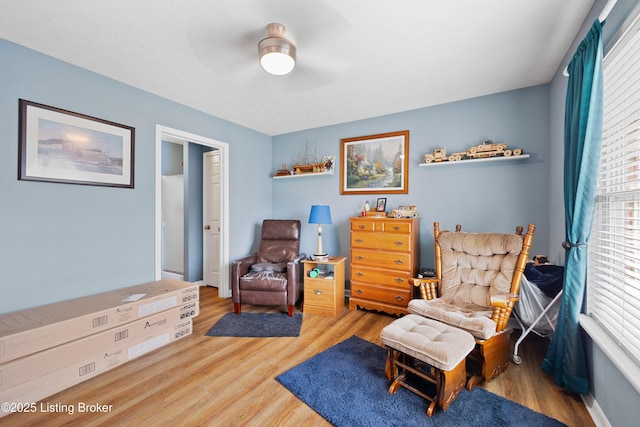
<point x="603" y="15"/>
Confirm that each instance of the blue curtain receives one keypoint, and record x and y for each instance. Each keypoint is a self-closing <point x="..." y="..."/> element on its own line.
<point x="565" y="358"/>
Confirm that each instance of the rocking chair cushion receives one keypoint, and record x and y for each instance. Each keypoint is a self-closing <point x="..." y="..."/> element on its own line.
<point x="473" y="319"/>
<point x="476" y="266"/>
<point x="437" y="344"/>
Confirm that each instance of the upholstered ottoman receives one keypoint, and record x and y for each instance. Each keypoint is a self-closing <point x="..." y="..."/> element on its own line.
<point x="431" y="351"/>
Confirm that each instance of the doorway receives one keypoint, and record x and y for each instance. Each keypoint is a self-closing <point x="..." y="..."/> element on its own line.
<point x="192" y="148"/>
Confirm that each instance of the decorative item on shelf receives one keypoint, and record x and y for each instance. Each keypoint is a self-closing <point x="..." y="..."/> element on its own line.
<point x="487" y="149"/>
<point x="284" y="171"/>
<point x="326" y="165"/>
<point x="321" y="168"/>
<point x="438" y="155"/>
<point x="381" y="204"/>
<point x="367" y="206"/>
<point x="408" y="211"/>
<point x="312" y="167"/>
<point x="307" y="166"/>
<point x="320" y="214"/>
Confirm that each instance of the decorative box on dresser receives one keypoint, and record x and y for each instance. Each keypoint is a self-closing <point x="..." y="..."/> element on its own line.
<point x="385" y="255"/>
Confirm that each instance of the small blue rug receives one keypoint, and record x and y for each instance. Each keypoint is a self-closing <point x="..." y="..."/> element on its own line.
<point x="346" y="385"/>
<point x="257" y="325"/>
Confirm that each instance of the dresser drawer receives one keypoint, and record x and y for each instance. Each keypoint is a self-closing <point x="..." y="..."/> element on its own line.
<point x="319" y="293"/>
<point x="389" y="225"/>
<point x="399" y="297"/>
<point x="386" y="241"/>
<point x="383" y="259"/>
<point x="366" y="225"/>
<point x="382" y="277"/>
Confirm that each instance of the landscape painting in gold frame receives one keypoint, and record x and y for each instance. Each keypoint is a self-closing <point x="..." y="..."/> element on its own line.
<point x="375" y="164"/>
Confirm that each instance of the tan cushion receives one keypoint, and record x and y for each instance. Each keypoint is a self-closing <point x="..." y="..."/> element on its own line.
<point x="471" y="318"/>
<point x="435" y="343"/>
<point x="476" y="266"/>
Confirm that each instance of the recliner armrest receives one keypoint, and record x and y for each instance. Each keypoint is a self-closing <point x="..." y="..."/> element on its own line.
<point x="294" y="277"/>
<point x="244" y="264"/>
<point x="239" y="268"/>
<point x="294" y="271"/>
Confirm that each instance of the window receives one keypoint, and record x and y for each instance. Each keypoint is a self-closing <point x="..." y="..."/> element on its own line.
<point x="613" y="289"/>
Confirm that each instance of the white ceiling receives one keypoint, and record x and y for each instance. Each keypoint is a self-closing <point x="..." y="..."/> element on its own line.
<point x="356" y="58"/>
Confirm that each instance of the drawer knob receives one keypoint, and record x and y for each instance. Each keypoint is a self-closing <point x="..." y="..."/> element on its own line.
<point x="399" y="243"/>
<point x="399" y="298"/>
<point x="399" y="280"/>
<point x="359" y="291"/>
<point x="399" y="261"/>
<point x="317" y="291"/>
<point x="395" y="227"/>
<point x="359" y="257"/>
<point x="359" y="274"/>
<point x="359" y="240"/>
<point x="361" y="227"/>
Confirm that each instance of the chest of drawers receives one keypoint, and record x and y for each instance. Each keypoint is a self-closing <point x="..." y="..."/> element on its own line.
<point x="385" y="255"/>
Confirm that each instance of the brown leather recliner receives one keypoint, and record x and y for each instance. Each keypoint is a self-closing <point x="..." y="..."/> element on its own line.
<point x="271" y="276"/>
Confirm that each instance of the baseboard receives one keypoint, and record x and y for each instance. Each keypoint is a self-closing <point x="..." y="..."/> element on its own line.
<point x="171" y="275"/>
<point x="598" y="417"/>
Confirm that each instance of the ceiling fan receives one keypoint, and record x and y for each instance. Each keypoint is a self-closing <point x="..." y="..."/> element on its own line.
<point x="277" y="53"/>
<point x="314" y="45"/>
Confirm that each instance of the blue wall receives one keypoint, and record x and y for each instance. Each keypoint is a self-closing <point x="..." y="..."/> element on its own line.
<point x="491" y="196"/>
<point x="59" y="241"/>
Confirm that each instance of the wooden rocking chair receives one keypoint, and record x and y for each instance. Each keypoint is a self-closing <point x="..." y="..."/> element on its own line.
<point x="477" y="281"/>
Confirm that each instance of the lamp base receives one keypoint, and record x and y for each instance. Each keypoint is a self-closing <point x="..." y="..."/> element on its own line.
<point x="320" y="257"/>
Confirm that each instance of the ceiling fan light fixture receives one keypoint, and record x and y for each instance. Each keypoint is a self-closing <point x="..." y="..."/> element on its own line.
<point x="277" y="54"/>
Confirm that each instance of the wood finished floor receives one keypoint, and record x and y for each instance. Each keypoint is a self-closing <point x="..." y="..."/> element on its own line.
<point x="224" y="381"/>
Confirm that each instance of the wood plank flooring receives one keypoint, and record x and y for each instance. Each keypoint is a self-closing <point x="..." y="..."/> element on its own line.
<point x="224" y="381"/>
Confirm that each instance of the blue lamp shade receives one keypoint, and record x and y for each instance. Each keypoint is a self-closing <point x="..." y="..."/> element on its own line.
<point x="320" y="214"/>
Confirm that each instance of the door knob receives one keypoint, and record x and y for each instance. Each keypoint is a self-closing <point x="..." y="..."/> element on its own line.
<point x="206" y="227"/>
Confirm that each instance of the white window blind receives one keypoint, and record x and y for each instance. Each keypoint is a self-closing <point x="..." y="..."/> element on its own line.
<point x="613" y="290"/>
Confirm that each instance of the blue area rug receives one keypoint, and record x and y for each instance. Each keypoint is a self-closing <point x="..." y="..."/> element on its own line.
<point x="257" y="325"/>
<point x="346" y="385"/>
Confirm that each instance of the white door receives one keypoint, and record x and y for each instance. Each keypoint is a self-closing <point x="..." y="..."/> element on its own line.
<point x="212" y="214"/>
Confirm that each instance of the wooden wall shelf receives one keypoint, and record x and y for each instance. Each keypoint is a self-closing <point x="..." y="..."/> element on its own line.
<point x="303" y="175"/>
<point x="307" y="169"/>
<point x="489" y="159"/>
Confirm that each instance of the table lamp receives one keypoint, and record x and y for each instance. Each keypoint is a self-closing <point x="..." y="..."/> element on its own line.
<point x="320" y="214"/>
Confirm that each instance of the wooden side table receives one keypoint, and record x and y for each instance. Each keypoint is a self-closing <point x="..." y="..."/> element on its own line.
<point x="324" y="292"/>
